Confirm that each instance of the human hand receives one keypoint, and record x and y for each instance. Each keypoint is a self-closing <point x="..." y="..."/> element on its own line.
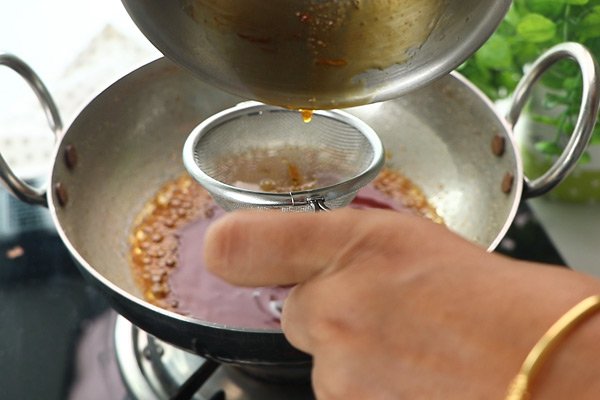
<point x="392" y="306"/>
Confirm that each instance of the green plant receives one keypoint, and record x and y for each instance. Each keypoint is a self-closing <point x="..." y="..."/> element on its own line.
<point x="530" y="28"/>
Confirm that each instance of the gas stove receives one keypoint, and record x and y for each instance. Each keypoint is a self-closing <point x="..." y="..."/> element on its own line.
<point x="60" y="339"/>
<point x="152" y="369"/>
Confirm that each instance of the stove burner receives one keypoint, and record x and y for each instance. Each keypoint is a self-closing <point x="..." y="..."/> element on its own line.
<point x="155" y="370"/>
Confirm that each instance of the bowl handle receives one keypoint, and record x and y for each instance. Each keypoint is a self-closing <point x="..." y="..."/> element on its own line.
<point x="15" y="185"/>
<point x="588" y="112"/>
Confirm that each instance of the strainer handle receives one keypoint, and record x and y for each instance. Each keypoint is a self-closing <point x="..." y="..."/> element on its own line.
<point x="15" y="185"/>
<point x="586" y="120"/>
<point x="318" y="204"/>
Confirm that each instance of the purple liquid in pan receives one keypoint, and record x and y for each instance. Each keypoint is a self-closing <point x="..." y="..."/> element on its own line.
<point x="206" y="297"/>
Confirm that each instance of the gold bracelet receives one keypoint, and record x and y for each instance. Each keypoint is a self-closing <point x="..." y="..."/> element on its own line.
<point x="518" y="389"/>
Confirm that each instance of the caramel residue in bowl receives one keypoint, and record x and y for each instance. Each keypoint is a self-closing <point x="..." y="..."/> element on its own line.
<point x="403" y="191"/>
<point x="338" y="62"/>
<point x="154" y="240"/>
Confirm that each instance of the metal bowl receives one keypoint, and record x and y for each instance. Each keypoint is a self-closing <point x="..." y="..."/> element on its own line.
<point x="318" y="54"/>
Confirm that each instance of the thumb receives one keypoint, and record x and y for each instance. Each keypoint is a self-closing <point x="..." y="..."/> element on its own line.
<point x="266" y="248"/>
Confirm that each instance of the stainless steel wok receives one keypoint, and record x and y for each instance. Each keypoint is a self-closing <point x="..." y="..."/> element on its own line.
<point x="128" y="141"/>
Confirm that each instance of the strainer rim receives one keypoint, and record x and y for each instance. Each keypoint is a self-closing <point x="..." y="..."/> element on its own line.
<point x="281" y="199"/>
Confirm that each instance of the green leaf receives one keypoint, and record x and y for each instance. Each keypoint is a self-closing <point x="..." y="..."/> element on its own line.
<point x="552" y="100"/>
<point x="553" y="80"/>
<point x="548" y="8"/>
<point x="536" y="28"/>
<point x="557" y="76"/>
<point x="525" y="52"/>
<point x="549" y="148"/>
<point x="567" y="128"/>
<point x="572" y="83"/>
<point x="589" y="27"/>
<point x="494" y="54"/>
<point x="595" y="136"/>
<point x="543" y="119"/>
<point x="585" y="158"/>
<point x="511" y="18"/>
<point x="595" y="140"/>
<point x="530" y="28"/>
<point x="508" y="79"/>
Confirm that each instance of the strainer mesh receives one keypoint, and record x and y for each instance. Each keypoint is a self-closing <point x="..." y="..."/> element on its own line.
<point x="240" y="142"/>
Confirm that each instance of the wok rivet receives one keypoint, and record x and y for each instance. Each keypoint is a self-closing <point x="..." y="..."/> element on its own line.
<point x="498" y="145"/>
<point x="70" y="156"/>
<point x="147" y="353"/>
<point x="507" y="182"/>
<point x="61" y="194"/>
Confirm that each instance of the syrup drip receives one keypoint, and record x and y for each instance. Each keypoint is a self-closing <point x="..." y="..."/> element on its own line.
<point x="306" y="115"/>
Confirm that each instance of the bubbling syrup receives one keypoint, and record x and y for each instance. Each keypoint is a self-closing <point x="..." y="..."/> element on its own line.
<point x="288" y="169"/>
<point x="168" y="262"/>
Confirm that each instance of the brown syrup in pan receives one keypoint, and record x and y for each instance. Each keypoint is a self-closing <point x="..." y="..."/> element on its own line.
<point x="167" y="251"/>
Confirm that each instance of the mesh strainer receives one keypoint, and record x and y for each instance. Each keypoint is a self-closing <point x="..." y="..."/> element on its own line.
<point x="256" y="156"/>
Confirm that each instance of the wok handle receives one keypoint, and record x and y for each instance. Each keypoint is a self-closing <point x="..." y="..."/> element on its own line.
<point x="588" y="112"/>
<point x="15" y="185"/>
